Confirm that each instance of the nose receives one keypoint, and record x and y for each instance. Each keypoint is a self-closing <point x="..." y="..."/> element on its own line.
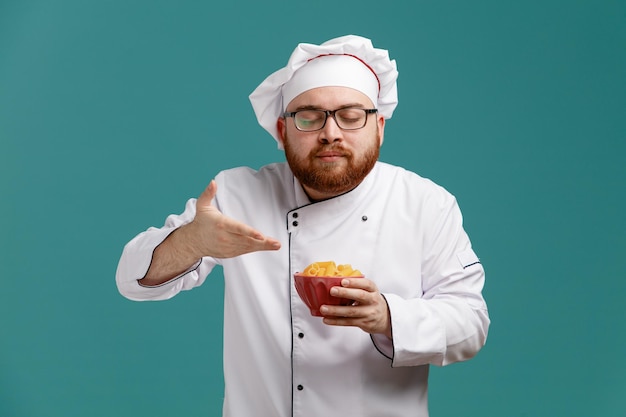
<point x="331" y="131"/>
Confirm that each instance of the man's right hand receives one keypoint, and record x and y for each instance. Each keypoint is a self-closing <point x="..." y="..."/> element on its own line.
<point x="220" y="236"/>
<point x="209" y="234"/>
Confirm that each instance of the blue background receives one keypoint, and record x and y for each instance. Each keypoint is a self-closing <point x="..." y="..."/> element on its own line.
<point x="113" y="113"/>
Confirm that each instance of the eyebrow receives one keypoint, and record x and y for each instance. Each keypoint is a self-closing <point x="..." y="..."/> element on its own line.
<point x="345" y="106"/>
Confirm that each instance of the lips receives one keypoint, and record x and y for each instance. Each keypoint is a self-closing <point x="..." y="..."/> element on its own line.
<point x="331" y="153"/>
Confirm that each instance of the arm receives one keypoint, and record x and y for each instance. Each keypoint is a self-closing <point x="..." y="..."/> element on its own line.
<point x="175" y="255"/>
<point x="449" y="322"/>
<point x="440" y="329"/>
<point x="183" y="244"/>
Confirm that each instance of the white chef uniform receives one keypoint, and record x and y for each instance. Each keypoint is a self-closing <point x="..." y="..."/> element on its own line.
<point x="402" y="231"/>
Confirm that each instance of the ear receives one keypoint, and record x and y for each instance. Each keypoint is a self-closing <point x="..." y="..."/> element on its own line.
<point x="381" y="129"/>
<point x="281" y="127"/>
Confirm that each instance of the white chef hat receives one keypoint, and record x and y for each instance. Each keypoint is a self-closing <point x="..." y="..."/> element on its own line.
<point x="347" y="61"/>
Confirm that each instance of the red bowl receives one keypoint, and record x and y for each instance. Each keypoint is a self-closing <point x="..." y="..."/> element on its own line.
<point x="315" y="291"/>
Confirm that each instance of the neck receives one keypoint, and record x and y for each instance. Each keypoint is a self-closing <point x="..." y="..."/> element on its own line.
<point x="316" y="196"/>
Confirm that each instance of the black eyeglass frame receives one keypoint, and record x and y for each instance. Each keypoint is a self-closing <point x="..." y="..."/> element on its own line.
<point x="332" y="114"/>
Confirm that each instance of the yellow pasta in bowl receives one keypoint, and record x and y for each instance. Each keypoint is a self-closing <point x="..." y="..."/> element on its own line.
<point x="313" y="284"/>
<point x="330" y="269"/>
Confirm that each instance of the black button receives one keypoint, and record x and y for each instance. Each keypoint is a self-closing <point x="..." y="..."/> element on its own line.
<point x="364" y="218"/>
<point x="300" y="335"/>
<point x="295" y="215"/>
<point x="300" y="387"/>
<point x="295" y="223"/>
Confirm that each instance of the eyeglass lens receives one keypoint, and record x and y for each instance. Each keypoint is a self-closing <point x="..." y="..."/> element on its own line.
<point x="348" y="119"/>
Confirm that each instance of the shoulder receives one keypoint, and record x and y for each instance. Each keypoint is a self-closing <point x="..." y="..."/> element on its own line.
<point x="412" y="192"/>
<point x="270" y="182"/>
<point x="396" y="177"/>
<point x="278" y="171"/>
<point x="247" y="193"/>
<point x="415" y="196"/>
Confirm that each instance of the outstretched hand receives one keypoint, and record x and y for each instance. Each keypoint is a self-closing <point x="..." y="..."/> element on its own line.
<point x="220" y="236"/>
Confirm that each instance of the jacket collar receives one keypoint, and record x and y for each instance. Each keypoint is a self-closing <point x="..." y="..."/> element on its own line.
<point x="331" y="210"/>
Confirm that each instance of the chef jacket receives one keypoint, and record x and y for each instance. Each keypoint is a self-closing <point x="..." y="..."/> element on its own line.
<point x="400" y="230"/>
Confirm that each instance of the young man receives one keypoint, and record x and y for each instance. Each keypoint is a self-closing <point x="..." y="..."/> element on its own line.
<point x="420" y="302"/>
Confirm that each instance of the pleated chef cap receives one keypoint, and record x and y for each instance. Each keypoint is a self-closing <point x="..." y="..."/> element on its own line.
<point x="347" y="61"/>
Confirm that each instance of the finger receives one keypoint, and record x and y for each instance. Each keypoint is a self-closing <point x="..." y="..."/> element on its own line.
<point x="268" y="244"/>
<point x="354" y="294"/>
<point x="207" y="195"/>
<point x="264" y="243"/>
<point x="258" y="241"/>
<point x="271" y="244"/>
<point x="343" y="314"/>
<point x="360" y="283"/>
<point x="236" y="227"/>
<point x="349" y="293"/>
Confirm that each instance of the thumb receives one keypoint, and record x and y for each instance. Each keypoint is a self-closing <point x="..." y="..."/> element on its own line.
<point x="204" y="200"/>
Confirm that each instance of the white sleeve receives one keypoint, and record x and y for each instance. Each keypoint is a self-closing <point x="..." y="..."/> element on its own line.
<point x="137" y="256"/>
<point x="449" y="323"/>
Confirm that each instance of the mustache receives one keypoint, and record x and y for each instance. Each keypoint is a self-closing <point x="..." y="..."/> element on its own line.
<point x="331" y="148"/>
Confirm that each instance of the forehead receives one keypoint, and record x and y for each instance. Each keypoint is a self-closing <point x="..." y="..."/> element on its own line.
<point x="330" y="98"/>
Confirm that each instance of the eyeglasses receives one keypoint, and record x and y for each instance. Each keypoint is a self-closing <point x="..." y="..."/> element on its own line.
<point x="349" y="118"/>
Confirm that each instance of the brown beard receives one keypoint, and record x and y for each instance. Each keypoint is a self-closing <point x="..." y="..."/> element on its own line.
<point x="328" y="178"/>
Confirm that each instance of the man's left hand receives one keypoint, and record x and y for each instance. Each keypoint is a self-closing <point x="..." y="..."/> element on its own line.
<point x="368" y="311"/>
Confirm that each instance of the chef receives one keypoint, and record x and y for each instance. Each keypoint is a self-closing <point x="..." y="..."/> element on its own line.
<point x="420" y="302"/>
